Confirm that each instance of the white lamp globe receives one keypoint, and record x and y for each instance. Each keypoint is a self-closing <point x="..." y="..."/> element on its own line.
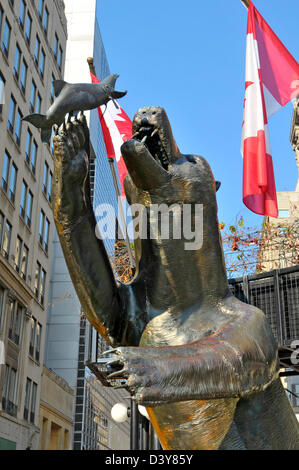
<point x="119" y="412"/>
<point x="142" y="411"/>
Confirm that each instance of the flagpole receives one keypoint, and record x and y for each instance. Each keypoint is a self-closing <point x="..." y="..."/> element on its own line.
<point x="114" y="177"/>
<point x="245" y="3"/>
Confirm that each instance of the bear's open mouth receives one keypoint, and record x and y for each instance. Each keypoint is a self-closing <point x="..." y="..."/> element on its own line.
<point x="149" y="135"/>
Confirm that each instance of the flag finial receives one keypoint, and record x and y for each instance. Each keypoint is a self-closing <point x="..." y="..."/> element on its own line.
<point x="91" y="65"/>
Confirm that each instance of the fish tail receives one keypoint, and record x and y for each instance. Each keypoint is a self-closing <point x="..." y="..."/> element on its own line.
<point x="37" y="120"/>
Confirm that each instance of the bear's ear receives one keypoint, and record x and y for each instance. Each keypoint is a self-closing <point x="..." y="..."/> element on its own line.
<point x="218" y="184"/>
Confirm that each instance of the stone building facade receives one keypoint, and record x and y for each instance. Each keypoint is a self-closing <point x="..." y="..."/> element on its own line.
<point x="56" y="412"/>
<point x="33" y="37"/>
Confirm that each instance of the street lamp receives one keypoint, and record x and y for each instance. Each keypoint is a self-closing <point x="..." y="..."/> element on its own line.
<point x="120" y="412"/>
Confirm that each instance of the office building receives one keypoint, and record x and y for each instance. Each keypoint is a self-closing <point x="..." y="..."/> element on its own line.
<point x="69" y="334"/>
<point x="33" y="41"/>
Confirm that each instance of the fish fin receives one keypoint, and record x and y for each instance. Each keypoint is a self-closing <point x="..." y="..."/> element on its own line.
<point x="46" y="136"/>
<point x="118" y="94"/>
<point x="58" y="86"/>
<point x="37" y="120"/>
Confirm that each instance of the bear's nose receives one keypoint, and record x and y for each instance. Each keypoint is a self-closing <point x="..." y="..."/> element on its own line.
<point x="144" y="121"/>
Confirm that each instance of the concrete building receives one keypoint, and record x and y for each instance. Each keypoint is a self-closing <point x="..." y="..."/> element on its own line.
<point x="56" y="412"/>
<point x="69" y="335"/>
<point x="33" y="40"/>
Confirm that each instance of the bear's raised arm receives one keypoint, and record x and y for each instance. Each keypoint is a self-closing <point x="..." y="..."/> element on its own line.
<point x="235" y="362"/>
<point x="85" y="254"/>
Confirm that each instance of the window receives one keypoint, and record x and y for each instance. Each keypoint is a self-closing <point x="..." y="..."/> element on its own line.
<point x="1" y="305"/>
<point x="29" y="209"/>
<point x="41" y="226"/>
<point x="40" y="8"/>
<point x="1" y="227"/>
<point x="46" y="20"/>
<point x="37" y="280"/>
<point x="18" y="128"/>
<point x="24" y="262"/>
<point x="27" y="399"/>
<point x="15" y="324"/>
<point x="50" y="186"/>
<point x="59" y="60"/>
<point x="17" y="63"/>
<point x="37" y="50"/>
<point x="35" y="339"/>
<point x="38" y="104"/>
<point x="38" y="342"/>
<point x="42" y="63"/>
<point x="11" y="115"/>
<point x="55" y="48"/>
<point x="44" y="229"/>
<point x="13" y="183"/>
<point x="46" y="177"/>
<point x="23" y="200"/>
<point x="32" y="336"/>
<point x="33" y="402"/>
<point x="18" y="254"/>
<point x="26" y="204"/>
<point x="29" y="405"/>
<point x="2" y="94"/>
<point x="52" y="89"/>
<point x="34" y="157"/>
<point x="32" y="97"/>
<point x="31" y="151"/>
<point x="22" y="14"/>
<point x="47" y="182"/>
<point x="6" y="239"/>
<point x="6" y="38"/>
<point x="28" y="147"/>
<point x="40" y="283"/>
<point x="8" y="391"/>
<point x="1" y="19"/>
<point x="5" y="171"/>
<point x="23" y="80"/>
<point x="42" y="287"/>
<point x="283" y="213"/>
<point x="46" y="236"/>
<point x="28" y="28"/>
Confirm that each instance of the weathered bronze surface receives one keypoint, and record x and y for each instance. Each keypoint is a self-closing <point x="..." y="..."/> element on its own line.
<point x="204" y="363"/>
<point x="71" y="98"/>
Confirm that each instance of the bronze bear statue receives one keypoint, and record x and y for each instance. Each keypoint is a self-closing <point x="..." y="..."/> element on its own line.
<point x="203" y="363"/>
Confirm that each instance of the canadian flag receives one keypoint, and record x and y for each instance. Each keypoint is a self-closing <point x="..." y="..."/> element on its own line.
<point x="272" y="80"/>
<point x="116" y="128"/>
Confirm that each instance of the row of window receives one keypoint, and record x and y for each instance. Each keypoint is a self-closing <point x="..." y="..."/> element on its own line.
<point x="10" y="174"/>
<point x="25" y="22"/>
<point x="10" y="387"/>
<point x="22" y="253"/>
<point x="20" y="72"/>
<point x="14" y="123"/>
<point x="9" y="395"/>
<point x="15" y="318"/>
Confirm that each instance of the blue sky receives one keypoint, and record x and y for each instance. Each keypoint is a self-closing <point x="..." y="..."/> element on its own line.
<point x="189" y="57"/>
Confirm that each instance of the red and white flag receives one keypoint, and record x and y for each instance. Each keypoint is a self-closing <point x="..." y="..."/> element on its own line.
<point x="272" y="80"/>
<point x="116" y="128"/>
